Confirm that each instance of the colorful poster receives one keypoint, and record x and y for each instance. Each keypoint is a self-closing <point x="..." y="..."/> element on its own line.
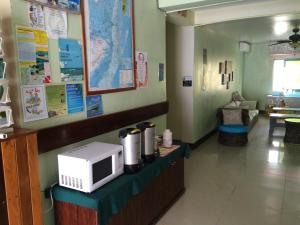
<point x="142" y="69"/>
<point x="75" y="98"/>
<point x="72" y="5"/>
<point x="34" y="102"/>
<point x="56" y="23"/>
<point x="70" y="57"/>
<point x="94" y="106"/>
<point x="33" y="55"/>
<point x="36" y="16"/>
<point x="56" y="100"/>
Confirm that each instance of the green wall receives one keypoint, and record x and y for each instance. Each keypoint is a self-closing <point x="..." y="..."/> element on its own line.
<point x="219" y="48"/>
<point x="258" y="72"/>
<point x="149" y="37"/>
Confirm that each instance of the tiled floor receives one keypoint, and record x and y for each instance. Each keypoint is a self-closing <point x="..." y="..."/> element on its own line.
<point x="254" y="185"/>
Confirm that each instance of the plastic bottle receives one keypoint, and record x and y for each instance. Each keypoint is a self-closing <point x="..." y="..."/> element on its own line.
<point x="167" y="138"/>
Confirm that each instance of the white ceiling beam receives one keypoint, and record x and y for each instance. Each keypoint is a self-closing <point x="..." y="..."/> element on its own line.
<point x="234" y="12"/>
<point x="178" y="5"/>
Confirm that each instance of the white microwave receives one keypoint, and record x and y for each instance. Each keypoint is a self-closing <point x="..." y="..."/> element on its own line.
<point x="88" y="167"/>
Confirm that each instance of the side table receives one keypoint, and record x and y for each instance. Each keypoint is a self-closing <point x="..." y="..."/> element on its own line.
<point x="292" y="133"/>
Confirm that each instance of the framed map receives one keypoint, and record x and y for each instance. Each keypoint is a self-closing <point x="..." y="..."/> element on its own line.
<point x="109" y="46"/>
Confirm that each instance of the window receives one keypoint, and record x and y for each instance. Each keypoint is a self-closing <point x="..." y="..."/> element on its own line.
<point x="286" y="76"/>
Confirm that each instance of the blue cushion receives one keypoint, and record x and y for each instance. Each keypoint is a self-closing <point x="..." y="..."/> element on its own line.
<point x="233" y="128"/>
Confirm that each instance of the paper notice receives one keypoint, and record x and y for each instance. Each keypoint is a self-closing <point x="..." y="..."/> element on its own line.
<point x="34" y="103"/>
<point x="141" y="68"/>
<point x="36" y="16"/>
<point x="56" y="23"/>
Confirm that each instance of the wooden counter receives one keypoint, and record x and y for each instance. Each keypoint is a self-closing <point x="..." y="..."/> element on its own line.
<point x="19" y="179"/>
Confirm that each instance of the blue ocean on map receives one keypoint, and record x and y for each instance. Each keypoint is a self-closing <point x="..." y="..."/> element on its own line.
<point x="110" y="29"/>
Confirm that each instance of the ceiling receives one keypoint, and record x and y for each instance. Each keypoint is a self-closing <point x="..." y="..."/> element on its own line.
<point x="254" y="21"/>
<point x="258" y="30"/>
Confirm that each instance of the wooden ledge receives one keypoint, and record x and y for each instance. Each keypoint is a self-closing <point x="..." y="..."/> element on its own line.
<point x="62" y="135"/>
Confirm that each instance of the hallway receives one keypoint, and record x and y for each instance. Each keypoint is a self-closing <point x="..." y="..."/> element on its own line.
<point x="254" y="185"/>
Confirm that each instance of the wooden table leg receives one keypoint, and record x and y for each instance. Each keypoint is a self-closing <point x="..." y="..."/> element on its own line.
<point x="271" y="128"/>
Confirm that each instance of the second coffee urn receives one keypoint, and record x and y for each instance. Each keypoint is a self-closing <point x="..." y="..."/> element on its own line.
<point x="148" y="140"/>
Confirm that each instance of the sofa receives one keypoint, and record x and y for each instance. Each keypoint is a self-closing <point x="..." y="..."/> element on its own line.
<point x="235" y="120"/>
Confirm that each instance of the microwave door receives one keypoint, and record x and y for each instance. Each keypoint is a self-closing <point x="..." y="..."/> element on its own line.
<point x="102" y="169"/>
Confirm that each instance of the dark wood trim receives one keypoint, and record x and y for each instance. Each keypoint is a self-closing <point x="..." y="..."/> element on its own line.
<point x="62" y="135"/>
<point x="203" y="139"/>
<point x="163" y="212"/>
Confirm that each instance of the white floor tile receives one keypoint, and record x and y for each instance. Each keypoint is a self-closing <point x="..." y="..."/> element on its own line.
<point x="258" y="184"/>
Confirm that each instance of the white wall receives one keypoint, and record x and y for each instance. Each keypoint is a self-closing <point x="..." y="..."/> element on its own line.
<point x="180" y="63"/>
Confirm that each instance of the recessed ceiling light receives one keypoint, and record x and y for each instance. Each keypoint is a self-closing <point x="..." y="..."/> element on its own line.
<point x="280" y="27"/>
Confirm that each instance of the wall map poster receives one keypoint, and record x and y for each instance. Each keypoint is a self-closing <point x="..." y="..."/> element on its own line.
<point x="109" y="50"/>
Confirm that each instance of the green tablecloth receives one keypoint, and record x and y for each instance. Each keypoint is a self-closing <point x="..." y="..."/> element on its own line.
<point x="111" y="197"/>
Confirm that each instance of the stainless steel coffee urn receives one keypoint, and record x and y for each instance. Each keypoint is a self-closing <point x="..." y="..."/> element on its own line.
<point x="131" y="141"/>
<point x="148" y="140"/>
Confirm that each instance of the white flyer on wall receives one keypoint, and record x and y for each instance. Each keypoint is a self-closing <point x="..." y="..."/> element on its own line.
<point x="142" y="68"/>
<point x="36" y="16"/>
<point x="34" y="102"/>
<point x="56" y="23"/>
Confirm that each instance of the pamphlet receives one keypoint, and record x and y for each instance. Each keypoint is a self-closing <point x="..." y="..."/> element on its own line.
<point x="36" y="16"/>
<point x="56" y="23"/>
<point x="94" y="106"/>
<point x="163" y="151"/>
<point x="75" y="98"/>
<point x="33" y="55"/>
<point x="142" y="69"/>
<point x="34" y="102"/>
<point x="70" y="57"/>
<point x="56" y="100"/>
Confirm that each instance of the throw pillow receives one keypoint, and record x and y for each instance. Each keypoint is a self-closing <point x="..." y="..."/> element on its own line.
<point x="238" y="103"/>
<point x="237" y="97"/>
<point x="232" y="117"/>
<point x="231" y="105"/>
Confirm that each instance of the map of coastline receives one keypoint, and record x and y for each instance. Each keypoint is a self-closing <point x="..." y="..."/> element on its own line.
<point x="110" y="53"/>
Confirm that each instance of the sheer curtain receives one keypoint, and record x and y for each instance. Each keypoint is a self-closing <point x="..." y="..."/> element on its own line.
<point x="286" y="76"/>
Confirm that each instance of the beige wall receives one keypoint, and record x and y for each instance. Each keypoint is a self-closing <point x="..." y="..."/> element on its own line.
<point x="180" y="63"/>
<point x="192" y="112"/>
